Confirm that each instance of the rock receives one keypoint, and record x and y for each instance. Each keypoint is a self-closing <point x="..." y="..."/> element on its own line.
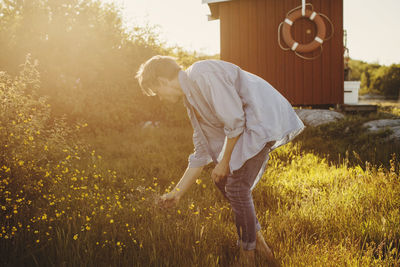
<point x="381" y="124"/>
<point x="316" y="117"/>
<point x="378" y="125"/>
<point x="371" y="96"/>
<point x="396" y="133"/>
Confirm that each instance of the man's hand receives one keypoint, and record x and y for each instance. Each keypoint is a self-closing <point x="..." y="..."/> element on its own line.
<point x="168" y="200"/>
<point x="220" y="171"/>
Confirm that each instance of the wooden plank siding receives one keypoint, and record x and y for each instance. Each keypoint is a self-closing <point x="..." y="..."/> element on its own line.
<point x="249" y="38"/>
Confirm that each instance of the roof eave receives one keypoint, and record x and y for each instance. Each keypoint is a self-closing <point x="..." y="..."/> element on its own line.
<point x="214" y="8"/>
<point x="214" y="1"/>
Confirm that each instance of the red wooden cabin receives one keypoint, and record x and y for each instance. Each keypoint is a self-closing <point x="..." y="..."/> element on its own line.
<point x="249" y="38"/>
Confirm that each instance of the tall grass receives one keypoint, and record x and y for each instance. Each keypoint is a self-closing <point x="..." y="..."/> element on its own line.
<point x="348" y="139"/>
<point x="92" y="202"/>
<point x="312" y="213"/>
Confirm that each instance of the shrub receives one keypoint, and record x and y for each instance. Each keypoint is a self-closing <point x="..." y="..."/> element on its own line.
<point x="31" y="143"/>
<point x="387" y="81"/>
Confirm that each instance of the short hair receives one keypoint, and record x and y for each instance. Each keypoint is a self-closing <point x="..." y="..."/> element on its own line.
<point x="157" y="66"/>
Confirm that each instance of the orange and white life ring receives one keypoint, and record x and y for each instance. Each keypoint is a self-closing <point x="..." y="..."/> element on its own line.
<point x="319" y="38"/>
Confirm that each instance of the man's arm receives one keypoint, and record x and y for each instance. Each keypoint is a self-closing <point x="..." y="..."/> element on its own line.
<point x="222" y="93"/>
<point x="188" y="178"/>
<point x="221" y="170"/>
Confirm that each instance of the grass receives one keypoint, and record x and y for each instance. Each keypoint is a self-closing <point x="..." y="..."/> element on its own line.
<point x="348" y="139"/>
<point x="315" y="207"/>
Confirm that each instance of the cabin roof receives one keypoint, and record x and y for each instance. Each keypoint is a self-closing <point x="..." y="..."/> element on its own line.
<point x="213" y="1"/>
<point x="213" y="5"/>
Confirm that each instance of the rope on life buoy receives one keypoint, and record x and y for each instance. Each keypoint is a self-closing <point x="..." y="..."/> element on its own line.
<point x="319" y="39"/>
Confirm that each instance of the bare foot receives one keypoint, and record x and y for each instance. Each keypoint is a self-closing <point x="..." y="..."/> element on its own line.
<point x="264" y="250"/>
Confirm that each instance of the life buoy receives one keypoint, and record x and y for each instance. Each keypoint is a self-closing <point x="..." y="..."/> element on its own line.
<point x="319" y="38"/>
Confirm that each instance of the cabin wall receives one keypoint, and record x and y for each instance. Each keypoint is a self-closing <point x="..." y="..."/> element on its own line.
<point x="249" y="38"/>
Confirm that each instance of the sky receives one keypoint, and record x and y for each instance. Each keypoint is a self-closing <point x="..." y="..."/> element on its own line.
<point x="373" y="27"/>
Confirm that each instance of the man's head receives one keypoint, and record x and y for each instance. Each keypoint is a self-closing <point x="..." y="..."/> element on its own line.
<point x="158" y="71"/>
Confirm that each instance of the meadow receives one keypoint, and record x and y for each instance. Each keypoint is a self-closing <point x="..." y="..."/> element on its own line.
<point x="79" y="176"/>
<point x="72" y="195"/>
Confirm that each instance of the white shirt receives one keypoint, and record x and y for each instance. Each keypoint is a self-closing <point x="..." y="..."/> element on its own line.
<point x="230" y="101"/>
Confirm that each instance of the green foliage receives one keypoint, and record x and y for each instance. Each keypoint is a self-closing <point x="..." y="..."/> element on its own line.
<point x="29" y="139"/>
<point x="376" y="79"/>
<point x="387" y="81"/>
<point x="45" y="172"/>
<point x="185" y="58"/>
<point x="88" y="60"/>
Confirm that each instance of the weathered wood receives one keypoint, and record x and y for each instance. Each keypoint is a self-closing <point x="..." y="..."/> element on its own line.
<point x="358" y="108"/>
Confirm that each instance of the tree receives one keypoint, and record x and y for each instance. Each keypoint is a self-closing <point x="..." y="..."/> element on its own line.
<point x="391" y="82"/>
<point x="87" y="60"/>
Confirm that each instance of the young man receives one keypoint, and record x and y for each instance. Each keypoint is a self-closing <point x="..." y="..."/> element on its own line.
<point x="238" y="119"/>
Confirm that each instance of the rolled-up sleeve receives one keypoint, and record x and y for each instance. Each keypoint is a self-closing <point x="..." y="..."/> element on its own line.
<point x="226" y="101"/>
<point x="200" y="155"/>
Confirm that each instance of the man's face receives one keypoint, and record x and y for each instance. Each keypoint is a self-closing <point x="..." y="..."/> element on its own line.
<point x="168" y="90"/>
